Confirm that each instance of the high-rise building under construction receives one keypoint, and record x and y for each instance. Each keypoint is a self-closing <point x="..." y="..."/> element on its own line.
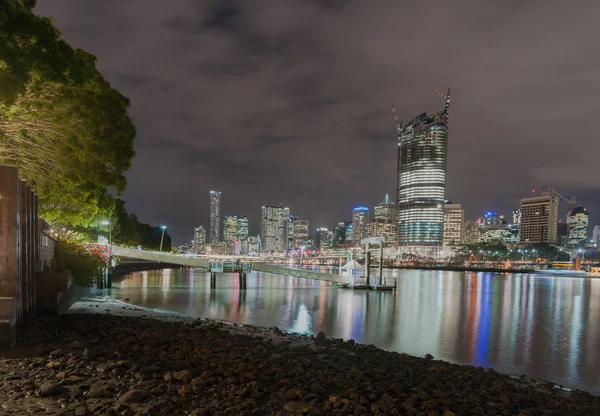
<point x="421" y="178"/>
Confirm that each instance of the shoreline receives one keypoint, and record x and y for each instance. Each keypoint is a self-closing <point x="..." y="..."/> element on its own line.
<point x="463" y="269"/>
<point x="93" y="361"/>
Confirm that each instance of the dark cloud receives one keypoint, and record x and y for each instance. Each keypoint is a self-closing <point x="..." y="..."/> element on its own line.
<point x="274" y="102"/>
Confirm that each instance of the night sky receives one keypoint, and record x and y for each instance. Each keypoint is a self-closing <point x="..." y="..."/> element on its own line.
<point x="289" y="101"/>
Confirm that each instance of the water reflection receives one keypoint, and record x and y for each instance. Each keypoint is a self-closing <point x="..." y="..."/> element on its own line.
<point x="544" y="326"/>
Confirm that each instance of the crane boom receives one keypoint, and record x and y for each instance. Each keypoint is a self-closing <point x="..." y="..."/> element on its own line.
<point x="571" y="201"/>
<point x="395" y="117"/>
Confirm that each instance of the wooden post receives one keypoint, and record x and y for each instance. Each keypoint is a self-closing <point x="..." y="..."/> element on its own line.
<point x="380" y="263"/>
<point x="244" y="278"/>
<point x="367" y="264"/>
<point x="213" y="280"/>
<point x="241" y="280"/>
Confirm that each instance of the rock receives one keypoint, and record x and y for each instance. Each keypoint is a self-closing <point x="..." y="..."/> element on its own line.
<point x="128" y="412"/>
<point x="168" y="377"/>
<point x="135" y="396"/>
<point x="198" y="412"/>
<point x="57" y="353"/>
<point x="321" y="335"/>
<point x="71" y="380"/>
<point x="76" y="344"/>
<point x="448" y="413"/>
<point x="184" y="376"/>
<point x="53" y="389"/>
<point x="428" y="357"/>
<point x="80" y="410"/>
<point x="53" y="364"/>
<point x="294" y="407"/>
<point x="99" y="393"/>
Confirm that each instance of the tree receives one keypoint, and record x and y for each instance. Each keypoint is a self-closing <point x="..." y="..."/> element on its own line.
<point x="61" y="122"/>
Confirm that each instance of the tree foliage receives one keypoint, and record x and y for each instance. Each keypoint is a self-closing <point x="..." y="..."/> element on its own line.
<point x="85" y="266"/>
<point x="61" y="122"/>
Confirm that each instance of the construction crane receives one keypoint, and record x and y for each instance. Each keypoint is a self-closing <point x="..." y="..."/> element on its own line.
<point x="571" y="202"/>
<point x="398" y="124"/>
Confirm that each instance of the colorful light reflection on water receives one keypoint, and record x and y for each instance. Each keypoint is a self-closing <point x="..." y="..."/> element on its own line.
<point x="544" y="326"/>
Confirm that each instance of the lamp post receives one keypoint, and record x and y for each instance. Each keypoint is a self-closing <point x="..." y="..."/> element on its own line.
<point x="301" y="252"/>
<point x="164" y="227"/>
<point x="109" y="224"/>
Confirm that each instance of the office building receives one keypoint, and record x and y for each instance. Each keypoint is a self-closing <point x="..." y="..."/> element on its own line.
<point x="253" y="244"/>
<point x="491" y="218"/>
<point x="230" y="228"/>
<point x="215" y="217"/>
<point x="323" y="238"/>
<point x="539" y="219"/>
<point x="516" y="216"/>
<point x="273" y="228"/>
<point x="385" y="229"/>
<point x="421" y="179"/>
<point x="563" y="233"/>
<point x="578" y="222"/>
<point x="454" y="219"/>
<point x="360" y="218"/>
<point x="300" y="228"/>
<point x="199" y="243"/>
<point x="290" y="232"/>
<point x="471" y="232"/>
<point x="349" y="232"/>
<point x="385" y="211"/>
<point x="339" y="233"/>
<point x="596" y="236"/>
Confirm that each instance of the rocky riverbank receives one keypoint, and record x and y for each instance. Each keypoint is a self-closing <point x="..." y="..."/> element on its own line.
<point x="88" y="364"/>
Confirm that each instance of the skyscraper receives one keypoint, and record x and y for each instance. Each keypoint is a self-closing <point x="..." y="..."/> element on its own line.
<point x="454" y="219"/>
<point x="290" y="231"/>
<point x="360" y="218"/>
<point x="273" y="228"/>
<point x="578" y="222"/>
<point x="199" y="239"/>
<point x="339" y="233"/>
<point x="300" y="233"/>
<point x="215" y="216"/>
<point x="349" y="232"/>
<point x="385" y="211"/>
<point x="596" y="236"/>
<point x="539" y="219"/>
<point x="421" y="179"/>
<point x="230" y="224"/>
<point x="323" y="238"/>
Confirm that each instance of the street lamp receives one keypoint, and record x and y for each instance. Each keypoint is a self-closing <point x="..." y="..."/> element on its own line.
<point x="301" y="252"/>
<point x="107" y="223"/>
<point x="164" y="227"/>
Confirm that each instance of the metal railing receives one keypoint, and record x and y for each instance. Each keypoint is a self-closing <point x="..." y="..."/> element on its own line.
<point x="159" y="257"/>
<point x="307" y="274"/>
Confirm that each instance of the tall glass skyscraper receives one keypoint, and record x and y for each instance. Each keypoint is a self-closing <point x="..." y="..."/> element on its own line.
<point x="215" y="216"/>
<point x="273" y="228"/>
<point x="421" y="179"/>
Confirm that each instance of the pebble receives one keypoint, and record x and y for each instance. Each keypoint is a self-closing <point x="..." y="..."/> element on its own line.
<point x="137" y="366"/>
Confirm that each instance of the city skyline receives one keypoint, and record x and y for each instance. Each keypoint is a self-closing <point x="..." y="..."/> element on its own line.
<point x="314" y="136"/>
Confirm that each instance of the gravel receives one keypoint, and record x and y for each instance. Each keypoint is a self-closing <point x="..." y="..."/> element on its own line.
<point x="94" y="364"/>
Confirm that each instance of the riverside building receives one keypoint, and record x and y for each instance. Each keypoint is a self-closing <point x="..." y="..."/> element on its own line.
<point x="273" y="228"/>
<point x="421" y="179"/>
<point x="360" y="218"/>
<point x="539" y="219"/>
<point x="454" y="220"/>
<point x="215" y="216"/>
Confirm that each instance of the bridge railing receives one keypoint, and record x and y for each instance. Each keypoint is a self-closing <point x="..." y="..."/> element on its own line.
<point x="159" y="257"/>
<point x="307" y="274"/>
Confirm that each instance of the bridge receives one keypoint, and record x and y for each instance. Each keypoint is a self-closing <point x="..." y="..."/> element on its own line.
<point x="241" y="267"/>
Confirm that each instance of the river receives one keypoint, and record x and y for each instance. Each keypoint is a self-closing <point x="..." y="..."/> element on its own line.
<point x="544" y="326"/>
